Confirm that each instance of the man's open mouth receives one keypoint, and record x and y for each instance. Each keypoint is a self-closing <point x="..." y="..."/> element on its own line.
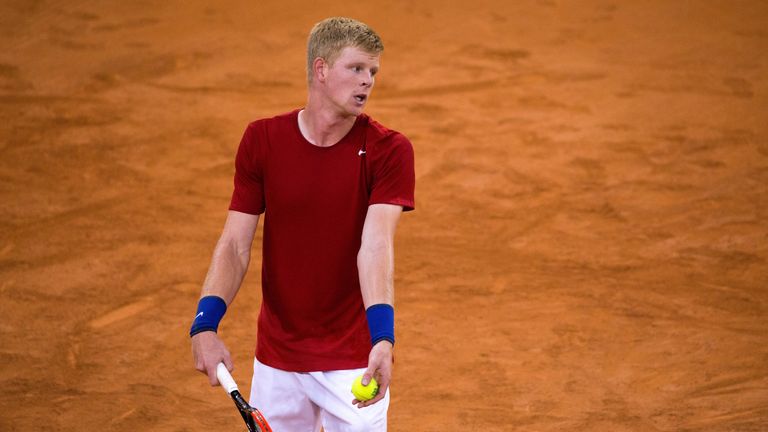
<point x="361" y="98"/>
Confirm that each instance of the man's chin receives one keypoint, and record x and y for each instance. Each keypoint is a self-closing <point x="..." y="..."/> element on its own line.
<point x="355" y="111"/>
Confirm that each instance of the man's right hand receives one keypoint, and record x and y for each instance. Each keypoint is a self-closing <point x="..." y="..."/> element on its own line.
<point x="208" y="351"/>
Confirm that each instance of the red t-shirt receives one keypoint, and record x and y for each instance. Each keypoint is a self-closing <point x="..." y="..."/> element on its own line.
<point x="315" y="200"/>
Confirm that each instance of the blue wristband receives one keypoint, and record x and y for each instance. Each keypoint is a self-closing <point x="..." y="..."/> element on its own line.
<point x="210" y="310"/>
<point x="381" y="322"/>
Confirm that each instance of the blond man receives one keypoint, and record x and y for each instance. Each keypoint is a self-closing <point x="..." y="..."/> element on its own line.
<point x="332" y="184"/>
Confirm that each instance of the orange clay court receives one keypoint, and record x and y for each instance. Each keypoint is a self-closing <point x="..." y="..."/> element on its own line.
<point x="589" y="250"/>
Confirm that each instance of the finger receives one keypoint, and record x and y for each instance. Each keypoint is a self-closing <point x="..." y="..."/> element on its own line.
<point x="381" y="381"/>
<point x="363" y="404"/>
<point x="197" y="360"/>
<point x="200" y="363"/>
<point x="211" y="371"/>
<point x="367" y="377"/>
<point x="227" y="360"/>
<point x="379" y="396"/>
<point x="383" y="385"/>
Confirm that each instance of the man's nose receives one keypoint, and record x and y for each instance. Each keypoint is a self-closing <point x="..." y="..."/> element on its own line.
<point x="367" y="80"/>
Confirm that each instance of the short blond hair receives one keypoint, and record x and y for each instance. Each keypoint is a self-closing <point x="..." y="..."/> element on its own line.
<point x="331" y="35"/>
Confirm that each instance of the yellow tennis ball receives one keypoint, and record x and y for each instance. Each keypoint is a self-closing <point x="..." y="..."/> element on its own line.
<point x="364" y="393"/>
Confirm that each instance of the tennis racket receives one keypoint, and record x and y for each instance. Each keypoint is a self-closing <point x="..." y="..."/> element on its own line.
<point x="253" y="418"/>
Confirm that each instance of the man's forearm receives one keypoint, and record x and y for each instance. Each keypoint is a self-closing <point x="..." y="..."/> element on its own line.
<point x="227" y="270"/>
<point x="375" y="263"/>
<point x="376" y="257"/>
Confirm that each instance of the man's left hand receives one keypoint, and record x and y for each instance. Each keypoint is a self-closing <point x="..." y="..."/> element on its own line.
<point x="380" y="363"/>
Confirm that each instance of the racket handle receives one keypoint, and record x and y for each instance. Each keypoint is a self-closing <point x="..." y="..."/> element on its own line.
<point x="225" y="379"/>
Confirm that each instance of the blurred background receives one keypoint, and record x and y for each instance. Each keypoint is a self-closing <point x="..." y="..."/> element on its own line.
<point x="589" y="246"/>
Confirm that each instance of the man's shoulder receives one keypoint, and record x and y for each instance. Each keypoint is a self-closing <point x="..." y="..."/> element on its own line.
<point x="380" y="135"/>
<point x="261" y="134"/>
<point x="283" y="119"/>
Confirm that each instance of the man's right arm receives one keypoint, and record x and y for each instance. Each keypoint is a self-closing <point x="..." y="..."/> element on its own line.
<point x="225" y="274"/>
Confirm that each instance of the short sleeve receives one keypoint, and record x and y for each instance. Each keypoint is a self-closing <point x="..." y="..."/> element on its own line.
<point x="394" y="178"/>
<point x="248" y="194"/>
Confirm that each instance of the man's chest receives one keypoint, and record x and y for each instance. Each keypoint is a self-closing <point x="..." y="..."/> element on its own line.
<point x="305" y="179"/>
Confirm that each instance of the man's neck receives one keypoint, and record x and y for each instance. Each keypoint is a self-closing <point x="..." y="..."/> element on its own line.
<point x="323" y="128"/>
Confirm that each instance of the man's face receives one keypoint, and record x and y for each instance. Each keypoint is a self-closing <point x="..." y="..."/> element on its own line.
<point x="350" y="79"/>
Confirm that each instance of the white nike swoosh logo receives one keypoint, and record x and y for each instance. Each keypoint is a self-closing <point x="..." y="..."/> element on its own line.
<point x="361" y="152"/>
<point x="199" y="315"/>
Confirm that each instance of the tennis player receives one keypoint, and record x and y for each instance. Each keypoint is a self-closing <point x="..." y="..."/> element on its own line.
<point x="332" y="184"/>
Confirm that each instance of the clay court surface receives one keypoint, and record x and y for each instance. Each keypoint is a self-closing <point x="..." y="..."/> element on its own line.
<point x="589" y="250"/>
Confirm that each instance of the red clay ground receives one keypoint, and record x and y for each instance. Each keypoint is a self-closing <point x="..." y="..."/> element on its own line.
<point x="589" y="251"/>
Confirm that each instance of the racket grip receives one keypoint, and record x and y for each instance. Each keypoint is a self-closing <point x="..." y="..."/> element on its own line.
<point x="225" y="379"/>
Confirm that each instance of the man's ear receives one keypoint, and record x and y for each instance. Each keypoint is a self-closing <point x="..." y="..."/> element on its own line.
<point x="319" y="69"/>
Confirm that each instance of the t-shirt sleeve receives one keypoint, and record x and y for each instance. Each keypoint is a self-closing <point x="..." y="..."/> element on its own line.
<point x="248" y="194"/>
<point x="394" y="177"/>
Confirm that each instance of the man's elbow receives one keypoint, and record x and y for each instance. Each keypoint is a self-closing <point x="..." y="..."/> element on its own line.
<point x="374" y="248"/>
<point x="238" y="250"/>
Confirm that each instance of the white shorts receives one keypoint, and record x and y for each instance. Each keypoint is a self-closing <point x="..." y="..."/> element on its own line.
<point x="303" y="402"/>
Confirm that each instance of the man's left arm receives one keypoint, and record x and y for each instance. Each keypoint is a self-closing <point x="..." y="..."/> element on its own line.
<point x="376" y="266"/>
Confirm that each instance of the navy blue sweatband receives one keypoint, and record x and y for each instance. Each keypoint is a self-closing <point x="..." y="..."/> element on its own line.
<point x="210" y="310"/>
<point x="381" y="322"/>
